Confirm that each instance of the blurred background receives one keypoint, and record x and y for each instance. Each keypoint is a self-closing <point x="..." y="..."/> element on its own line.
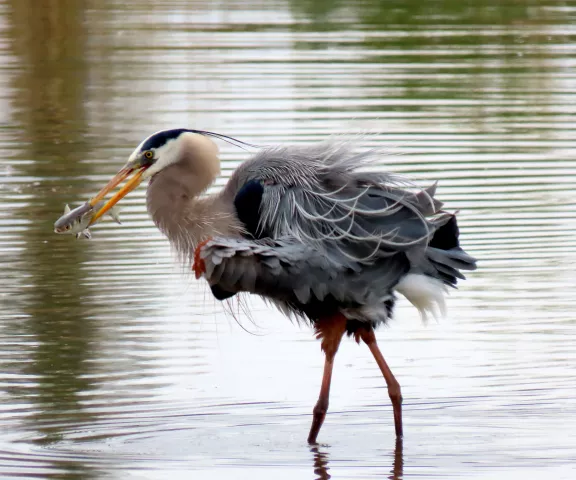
<point x="115" y="363"/>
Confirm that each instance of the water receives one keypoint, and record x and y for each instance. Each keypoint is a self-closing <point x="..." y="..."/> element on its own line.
<point x="116" y="364"/>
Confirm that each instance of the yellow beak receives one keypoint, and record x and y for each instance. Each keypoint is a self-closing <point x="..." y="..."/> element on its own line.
<point x="116" y="180"/>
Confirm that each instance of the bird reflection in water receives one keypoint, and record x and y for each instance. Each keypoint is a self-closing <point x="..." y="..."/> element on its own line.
<point x="322" y="460"/>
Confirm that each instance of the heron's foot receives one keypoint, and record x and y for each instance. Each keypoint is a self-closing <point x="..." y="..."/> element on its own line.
<point x="396" y="397"/>
<point x="319" y="414"/>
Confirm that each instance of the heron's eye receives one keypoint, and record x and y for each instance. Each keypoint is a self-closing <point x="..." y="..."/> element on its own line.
<point x="149" y="154"/>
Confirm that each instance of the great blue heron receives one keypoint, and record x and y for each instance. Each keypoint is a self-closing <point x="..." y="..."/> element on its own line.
<point x="304" y="228"/>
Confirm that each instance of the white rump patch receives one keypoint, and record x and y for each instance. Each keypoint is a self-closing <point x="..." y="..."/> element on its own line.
<point x="425" y="293"/>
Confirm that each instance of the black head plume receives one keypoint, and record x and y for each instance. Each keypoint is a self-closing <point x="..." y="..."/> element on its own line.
<point x="161" y="138"/>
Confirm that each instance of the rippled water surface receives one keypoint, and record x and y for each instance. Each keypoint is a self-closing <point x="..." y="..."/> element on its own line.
<point x="117" y="364"/>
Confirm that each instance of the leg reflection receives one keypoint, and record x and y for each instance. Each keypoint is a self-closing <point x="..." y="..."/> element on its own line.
<point x="320" y="463"/>
<point x="398" y="464"/>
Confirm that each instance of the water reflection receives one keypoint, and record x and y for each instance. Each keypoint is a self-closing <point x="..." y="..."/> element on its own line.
<point x="462" y="64"/>
<point x="321" y="457"/>
<point x="321" y="461"/>
<point x="49" y="121"/>
<point x="397" y="471"/>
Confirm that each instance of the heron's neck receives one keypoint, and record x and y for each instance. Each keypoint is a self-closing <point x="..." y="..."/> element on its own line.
<point x="175" y="205"/>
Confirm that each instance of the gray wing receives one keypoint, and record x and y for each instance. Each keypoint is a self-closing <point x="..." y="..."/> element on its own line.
<point x="287" y="270"/>
<point x="333" y="231"/>
<point x="317" y="196"/>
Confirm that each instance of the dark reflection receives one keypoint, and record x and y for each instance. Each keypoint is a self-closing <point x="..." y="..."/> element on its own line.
<point x="320" y="463"/>
<point x="398" y="465"/>
<point x="48" y="96"/>
<point x="322" y="460"/>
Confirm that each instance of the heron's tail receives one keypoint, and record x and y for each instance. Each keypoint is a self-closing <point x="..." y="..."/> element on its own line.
<point x="446" y="255"/>
<point x="427" y="285"/>
<point x="425" y="293"/>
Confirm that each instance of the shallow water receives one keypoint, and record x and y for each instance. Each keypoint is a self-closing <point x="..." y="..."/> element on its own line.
<point x="116" y="364"/>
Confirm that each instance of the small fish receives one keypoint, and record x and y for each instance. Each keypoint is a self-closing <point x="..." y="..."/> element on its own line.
<point x="76" y="221"/>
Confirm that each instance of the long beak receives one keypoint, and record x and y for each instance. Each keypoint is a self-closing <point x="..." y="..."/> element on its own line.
<point x="116" y="180"/>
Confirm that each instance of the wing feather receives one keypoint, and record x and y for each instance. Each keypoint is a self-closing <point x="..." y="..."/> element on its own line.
<point x="319" y="228"/>
<point x="297" y="273"/>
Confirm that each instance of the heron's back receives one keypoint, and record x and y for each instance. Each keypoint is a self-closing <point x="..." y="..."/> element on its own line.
<point x="323" y="236"/>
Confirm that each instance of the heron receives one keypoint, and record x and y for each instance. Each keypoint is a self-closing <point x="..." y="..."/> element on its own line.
<point x="319" y="231"/>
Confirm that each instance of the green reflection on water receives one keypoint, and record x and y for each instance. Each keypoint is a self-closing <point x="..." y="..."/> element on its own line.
<point x="48" y="95"/>
<point x="486" y="51"/>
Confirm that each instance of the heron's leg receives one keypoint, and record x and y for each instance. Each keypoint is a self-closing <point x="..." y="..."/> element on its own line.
<point x="368" y="337"/>
<point x="330" y="330"/>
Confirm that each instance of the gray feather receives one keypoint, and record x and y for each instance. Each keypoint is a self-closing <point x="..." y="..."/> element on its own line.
<point x="335" y="231"/>
<point x="315" y="195"/>
<point x="298" y="273"/>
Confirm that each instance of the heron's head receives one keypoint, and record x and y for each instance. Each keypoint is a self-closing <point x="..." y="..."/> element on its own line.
<point x="155" y="154"/>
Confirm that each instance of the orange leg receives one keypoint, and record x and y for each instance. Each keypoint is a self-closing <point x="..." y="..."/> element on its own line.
<point x="368" y="337"/>
<point x="330" y="330"/>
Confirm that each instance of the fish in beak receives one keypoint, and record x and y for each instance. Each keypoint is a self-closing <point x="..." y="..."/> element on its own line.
<point x="123" y="174"/>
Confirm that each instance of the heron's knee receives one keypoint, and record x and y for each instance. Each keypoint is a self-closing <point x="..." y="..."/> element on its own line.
<point x="320" y="408"/>
<point x="395" y="393"/>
